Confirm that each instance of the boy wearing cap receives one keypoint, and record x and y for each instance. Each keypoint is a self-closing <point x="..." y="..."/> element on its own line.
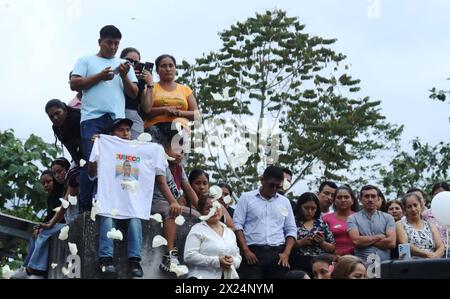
<point x="120" y="128"/>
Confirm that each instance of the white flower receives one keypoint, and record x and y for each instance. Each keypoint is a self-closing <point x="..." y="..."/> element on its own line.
<point x="169" y="158"/>
<point x="215" y="192"/>
<point x="239" y="155"/>
<point x="10" y="259"/>
<point x="115" y="234"/>
<point x="73" y="248"/>
<point x="132" y="186"/>
<point x="56" y="210"/>
<point x="227" y="199"/>
<point x="216" y="205"/>
<point x="64" y="233"/>
<point x="180" y="220"/>
<point x="158" y="241"/>
<point x="286" y="184"/>
<point x="95" y="209"/>
<point x="156" y="217"/>
<point x="114" y="212"/>
<point x="145" y="137"/>
<point x="283" y="211"/>
<point x="6" y="272"/>
<point x="65" y="203"/>
<point x="53" y="265"/>
<point x="65" y="271"/>
<point x="82" y="163"/>
<point x="73" y="200"/>
<point x="179" y="270"/>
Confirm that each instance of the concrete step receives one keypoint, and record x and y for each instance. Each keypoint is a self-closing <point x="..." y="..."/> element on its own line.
<point x="85" y="233"/>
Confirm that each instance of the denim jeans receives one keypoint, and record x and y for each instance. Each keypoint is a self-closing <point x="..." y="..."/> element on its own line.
<point x="37" y="258"/>
<point x="88" y="128"/>
<point x="134" y="237"/>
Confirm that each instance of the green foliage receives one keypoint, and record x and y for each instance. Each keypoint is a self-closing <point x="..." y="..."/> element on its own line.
<point x="422" y="168"/>
<point x="276" y="72"/>
<point x="21" y="193"/>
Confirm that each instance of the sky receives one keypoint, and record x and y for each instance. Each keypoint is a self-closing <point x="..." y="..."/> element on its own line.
<point x="399" y="49"/>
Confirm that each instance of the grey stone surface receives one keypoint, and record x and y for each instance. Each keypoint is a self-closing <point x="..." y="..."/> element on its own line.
<point x="85" y="233"/>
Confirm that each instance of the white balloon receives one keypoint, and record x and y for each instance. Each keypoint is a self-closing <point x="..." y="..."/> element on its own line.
<point x="440" y="207"/>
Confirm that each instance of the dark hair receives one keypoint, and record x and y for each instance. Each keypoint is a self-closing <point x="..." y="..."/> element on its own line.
<point x="324" y="257"/>
<point x="110" y="31"/>
<point x="408" y="195"/>
<point x="223" y="185"/>
<point x="383" y="202"/>
<point x="442" y="185"/>
<point x="55" y="103"/>
<point x="161" y="57"/>
<point x="63" y="162"/>
<point x="327" y="183"/>
<point x="202" y="202"/>
<point x="355" y="205"/>
<point x="125" y="52"/>
<point x="295" y="274"/>
<point x="370" y="187"/>
<point x="304" y="198"/>
<point x="195" y="173"/>
<point x="394" y="201"/>
<point x="287" y="171"/>
<point x="47" y="172"/>
<point x="273" y="172"/>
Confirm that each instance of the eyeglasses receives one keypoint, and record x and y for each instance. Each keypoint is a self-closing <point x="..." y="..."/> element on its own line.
<point x="132" y="60"/>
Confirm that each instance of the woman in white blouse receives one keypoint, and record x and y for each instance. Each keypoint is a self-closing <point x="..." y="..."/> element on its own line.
<point x="211" y="251"/>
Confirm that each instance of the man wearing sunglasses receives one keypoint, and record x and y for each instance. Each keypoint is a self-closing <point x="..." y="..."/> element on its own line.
<point x="103" y="80"/>
<point x="265" y="228"/>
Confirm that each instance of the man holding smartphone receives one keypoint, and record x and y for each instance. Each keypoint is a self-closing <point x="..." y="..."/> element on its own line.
<point x="103" y="97"/>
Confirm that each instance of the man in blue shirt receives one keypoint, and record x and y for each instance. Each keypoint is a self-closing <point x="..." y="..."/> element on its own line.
<point x="265" y="228"/>
<point x="104" y="80"/>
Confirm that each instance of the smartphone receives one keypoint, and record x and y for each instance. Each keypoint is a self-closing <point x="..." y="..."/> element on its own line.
<point x="139" y="67"/>
<point x="149" y="66"/>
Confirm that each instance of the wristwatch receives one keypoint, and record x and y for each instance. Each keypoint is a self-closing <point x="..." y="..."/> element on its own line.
<point x="150" y="86"/>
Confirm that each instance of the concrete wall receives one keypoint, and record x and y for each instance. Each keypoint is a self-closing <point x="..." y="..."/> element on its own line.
<point x="85" y="233"/>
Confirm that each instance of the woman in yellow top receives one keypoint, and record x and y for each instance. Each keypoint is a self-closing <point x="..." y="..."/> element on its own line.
<point x="172" y="102"/>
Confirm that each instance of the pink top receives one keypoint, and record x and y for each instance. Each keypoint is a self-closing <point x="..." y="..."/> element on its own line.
<point x="339" y="229"/>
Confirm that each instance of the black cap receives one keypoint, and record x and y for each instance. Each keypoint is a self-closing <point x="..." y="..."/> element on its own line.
<point x="119" y="121"/>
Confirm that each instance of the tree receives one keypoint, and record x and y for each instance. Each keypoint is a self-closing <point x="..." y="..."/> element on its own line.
<point x="422" y="168"/>
<point x="308" y="109"/>
<point x="21" y="193"/>
<point x="426" y="166"/>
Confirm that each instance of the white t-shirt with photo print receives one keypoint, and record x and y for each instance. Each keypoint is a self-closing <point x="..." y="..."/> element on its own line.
<point x="126" y="198"/>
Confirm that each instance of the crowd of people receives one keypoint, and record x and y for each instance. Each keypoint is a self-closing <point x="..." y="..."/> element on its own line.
<point x="328" y="233"/>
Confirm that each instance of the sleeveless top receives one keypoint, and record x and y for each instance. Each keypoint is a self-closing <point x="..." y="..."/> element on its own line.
<point x="422" y="239"/>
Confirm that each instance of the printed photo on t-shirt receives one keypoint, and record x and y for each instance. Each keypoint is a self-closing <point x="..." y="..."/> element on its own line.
<point x="127" y="171"/>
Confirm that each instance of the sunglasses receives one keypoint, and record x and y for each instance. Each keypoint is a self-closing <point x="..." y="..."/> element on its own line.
<point x="132" y="60"/>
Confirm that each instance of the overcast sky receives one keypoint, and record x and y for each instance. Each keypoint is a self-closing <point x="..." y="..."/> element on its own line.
<point x="399" y="49"/>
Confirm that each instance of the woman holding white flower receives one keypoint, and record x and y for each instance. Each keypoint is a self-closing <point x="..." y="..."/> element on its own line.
<point x="211" y="250"/>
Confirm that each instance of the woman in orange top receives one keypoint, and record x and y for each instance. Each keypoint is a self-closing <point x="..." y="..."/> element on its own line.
<point x="172" y="102"/>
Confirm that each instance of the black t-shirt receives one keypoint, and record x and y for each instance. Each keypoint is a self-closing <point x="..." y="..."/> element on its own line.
<point x="133" y="104"/>
<point x="69" y="133"/>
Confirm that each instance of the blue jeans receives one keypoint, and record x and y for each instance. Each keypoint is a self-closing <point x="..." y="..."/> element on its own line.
<point x="134" y="237"/>
<point x="88" y="128"/>
<point x="37" y="258"/>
